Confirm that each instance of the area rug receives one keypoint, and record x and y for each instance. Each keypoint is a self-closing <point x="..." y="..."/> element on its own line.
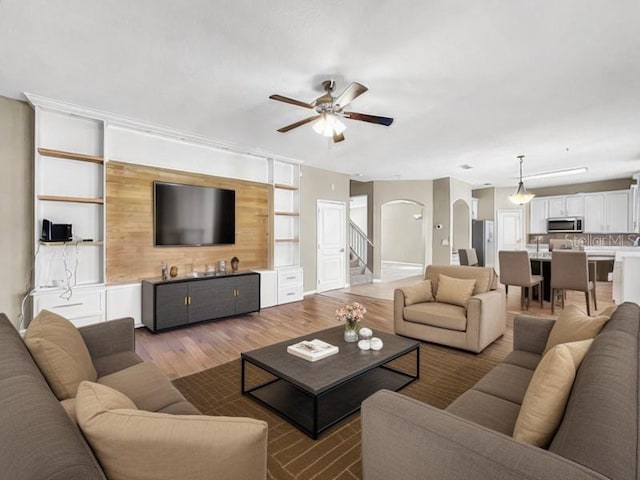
<point x="444" y="375"/>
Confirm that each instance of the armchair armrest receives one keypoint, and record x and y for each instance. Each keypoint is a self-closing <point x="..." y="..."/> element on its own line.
<point x="107" y="338"/>
<point x="486" y="319"/>
<point x="531" y="333"/>
<point x="406" y="439"/>
<point x="398" y="307"/>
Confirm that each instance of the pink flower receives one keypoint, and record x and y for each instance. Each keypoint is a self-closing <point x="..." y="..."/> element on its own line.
<point x="353" y="312"/>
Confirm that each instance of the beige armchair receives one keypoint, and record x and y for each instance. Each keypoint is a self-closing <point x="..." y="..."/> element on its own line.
<point x="420" y="311"/>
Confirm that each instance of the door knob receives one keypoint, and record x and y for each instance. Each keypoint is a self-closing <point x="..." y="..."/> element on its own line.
<point x="341" y="250"/>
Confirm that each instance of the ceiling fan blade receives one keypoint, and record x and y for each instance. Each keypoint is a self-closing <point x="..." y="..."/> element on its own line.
<point x="292" y="101"/>
<point x="338" y="137"/>
<point x="350" y="93"/>
<point x="368" y="118"/>
<point x="298" y="124"/>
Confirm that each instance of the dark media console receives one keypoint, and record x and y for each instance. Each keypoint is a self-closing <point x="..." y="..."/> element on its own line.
<point x="186" y="300"/>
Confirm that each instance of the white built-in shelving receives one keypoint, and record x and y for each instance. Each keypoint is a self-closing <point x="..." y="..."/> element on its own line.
<point x="69" y="188"/>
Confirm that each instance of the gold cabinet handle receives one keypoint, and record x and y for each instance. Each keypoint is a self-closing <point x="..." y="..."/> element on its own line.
<point x="185" y="300"/>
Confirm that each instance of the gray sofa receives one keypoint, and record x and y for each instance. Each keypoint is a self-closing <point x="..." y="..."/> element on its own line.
<point x="39" y="439"/>
<point x="406" y="439"/>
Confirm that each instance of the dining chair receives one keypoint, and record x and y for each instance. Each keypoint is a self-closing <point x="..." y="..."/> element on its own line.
<point x="570" y="271"/>
<point x="468" y="256"/>
<point x="515" y="269"/>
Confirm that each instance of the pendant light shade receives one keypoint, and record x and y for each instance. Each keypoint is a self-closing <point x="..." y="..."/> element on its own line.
<point x="521" y="197"/>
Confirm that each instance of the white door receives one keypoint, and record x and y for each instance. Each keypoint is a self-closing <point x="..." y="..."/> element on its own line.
<point x="332" y="258"/>
<point x="509" y="231"/>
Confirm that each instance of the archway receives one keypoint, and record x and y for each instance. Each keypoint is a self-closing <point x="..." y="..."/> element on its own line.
<point x="460" y="227"/>
<point x="402" y="249"/>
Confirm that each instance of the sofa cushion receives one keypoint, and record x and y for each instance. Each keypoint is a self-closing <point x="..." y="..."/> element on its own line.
<point x="131" y="443"/>
<point x="506" y="381"/>
<point x="486" y="410"/>
<point x="523" y="359"/>
<point x="548" y="392"/>
<point x="61" y="354"/>
<point x="574" y="325"/>
<point x="441" y="315"/>
<point x="418" y="293"/>
<point x="455" y="291"/>
<point x="115" y="362"/>
<point x="485" y="277"/>
<point x="145" y="385"/>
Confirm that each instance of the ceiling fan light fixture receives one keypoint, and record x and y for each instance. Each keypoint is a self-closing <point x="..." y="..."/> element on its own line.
<point x="328" y="124"/>
<point x="521" y="197"/>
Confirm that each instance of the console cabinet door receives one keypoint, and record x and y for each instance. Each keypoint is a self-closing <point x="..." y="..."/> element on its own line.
<point x="247" y="294"/>
<point x="201" y="300"/>
<point x="171" y="305"/>
<point x="223" y="300"/>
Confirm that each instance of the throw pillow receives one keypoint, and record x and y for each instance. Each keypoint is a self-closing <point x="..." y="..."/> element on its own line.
<point x="131" y="443"/>
<point x="455" y="291"/>
<point x="547" y="394"/>
<point x="573" y="325"/>
<point x="418" y="293"/>
<point x="60" y="352"/>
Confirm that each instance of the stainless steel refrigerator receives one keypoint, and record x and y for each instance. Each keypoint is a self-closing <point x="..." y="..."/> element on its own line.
<point x="483" y="240"/>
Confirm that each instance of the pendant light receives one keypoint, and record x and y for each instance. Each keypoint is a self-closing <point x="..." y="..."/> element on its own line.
<point x="521" y="196"/>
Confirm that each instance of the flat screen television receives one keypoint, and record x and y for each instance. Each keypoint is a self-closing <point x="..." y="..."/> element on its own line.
<point x="190" y="215"/>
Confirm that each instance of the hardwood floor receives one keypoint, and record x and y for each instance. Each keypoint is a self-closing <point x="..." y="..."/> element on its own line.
<point x="189" y="350"/>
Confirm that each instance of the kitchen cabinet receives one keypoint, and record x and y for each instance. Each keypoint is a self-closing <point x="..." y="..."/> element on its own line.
<point x="566" y="206"/>
<point x="178" y="302"/>
<point x="538" y="214"/>
<point x="607" y="212"/>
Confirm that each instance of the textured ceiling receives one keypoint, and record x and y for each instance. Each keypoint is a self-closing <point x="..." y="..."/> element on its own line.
<point x="467" y="82"/>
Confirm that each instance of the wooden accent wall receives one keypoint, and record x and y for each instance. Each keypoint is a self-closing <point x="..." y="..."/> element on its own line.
<point x="131" y="255"/>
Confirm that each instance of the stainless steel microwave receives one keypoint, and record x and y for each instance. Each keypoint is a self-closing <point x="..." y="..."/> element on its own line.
<point x="565" y="225"/>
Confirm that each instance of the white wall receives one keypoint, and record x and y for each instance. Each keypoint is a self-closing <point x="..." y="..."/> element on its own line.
<point x="402" y="232"/>
<point x="129" y="145"/>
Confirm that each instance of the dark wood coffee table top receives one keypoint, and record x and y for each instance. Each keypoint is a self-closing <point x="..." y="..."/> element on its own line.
<point x="319" y="376"/>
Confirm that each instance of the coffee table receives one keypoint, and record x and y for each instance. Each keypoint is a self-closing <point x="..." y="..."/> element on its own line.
<point x="314" y="396"/>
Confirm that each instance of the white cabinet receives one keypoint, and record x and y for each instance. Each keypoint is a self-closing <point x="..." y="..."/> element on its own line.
<point x="566" y="206"/>
<point x="268" y="288"/>
<point x="594" y="221"/>
<point x="69" y="189"/>
<point x="290" y="285"/>
<point x="85" y="305"/>
<point x="607" y="212"/>
<point x="538" y="214"/>
<point x="617" y="211"/>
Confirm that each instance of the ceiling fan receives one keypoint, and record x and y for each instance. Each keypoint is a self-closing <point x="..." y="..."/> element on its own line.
<point x="329" y="110"/>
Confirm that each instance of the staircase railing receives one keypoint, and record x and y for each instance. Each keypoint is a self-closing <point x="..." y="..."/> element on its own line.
<point x="360" y="245"/>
